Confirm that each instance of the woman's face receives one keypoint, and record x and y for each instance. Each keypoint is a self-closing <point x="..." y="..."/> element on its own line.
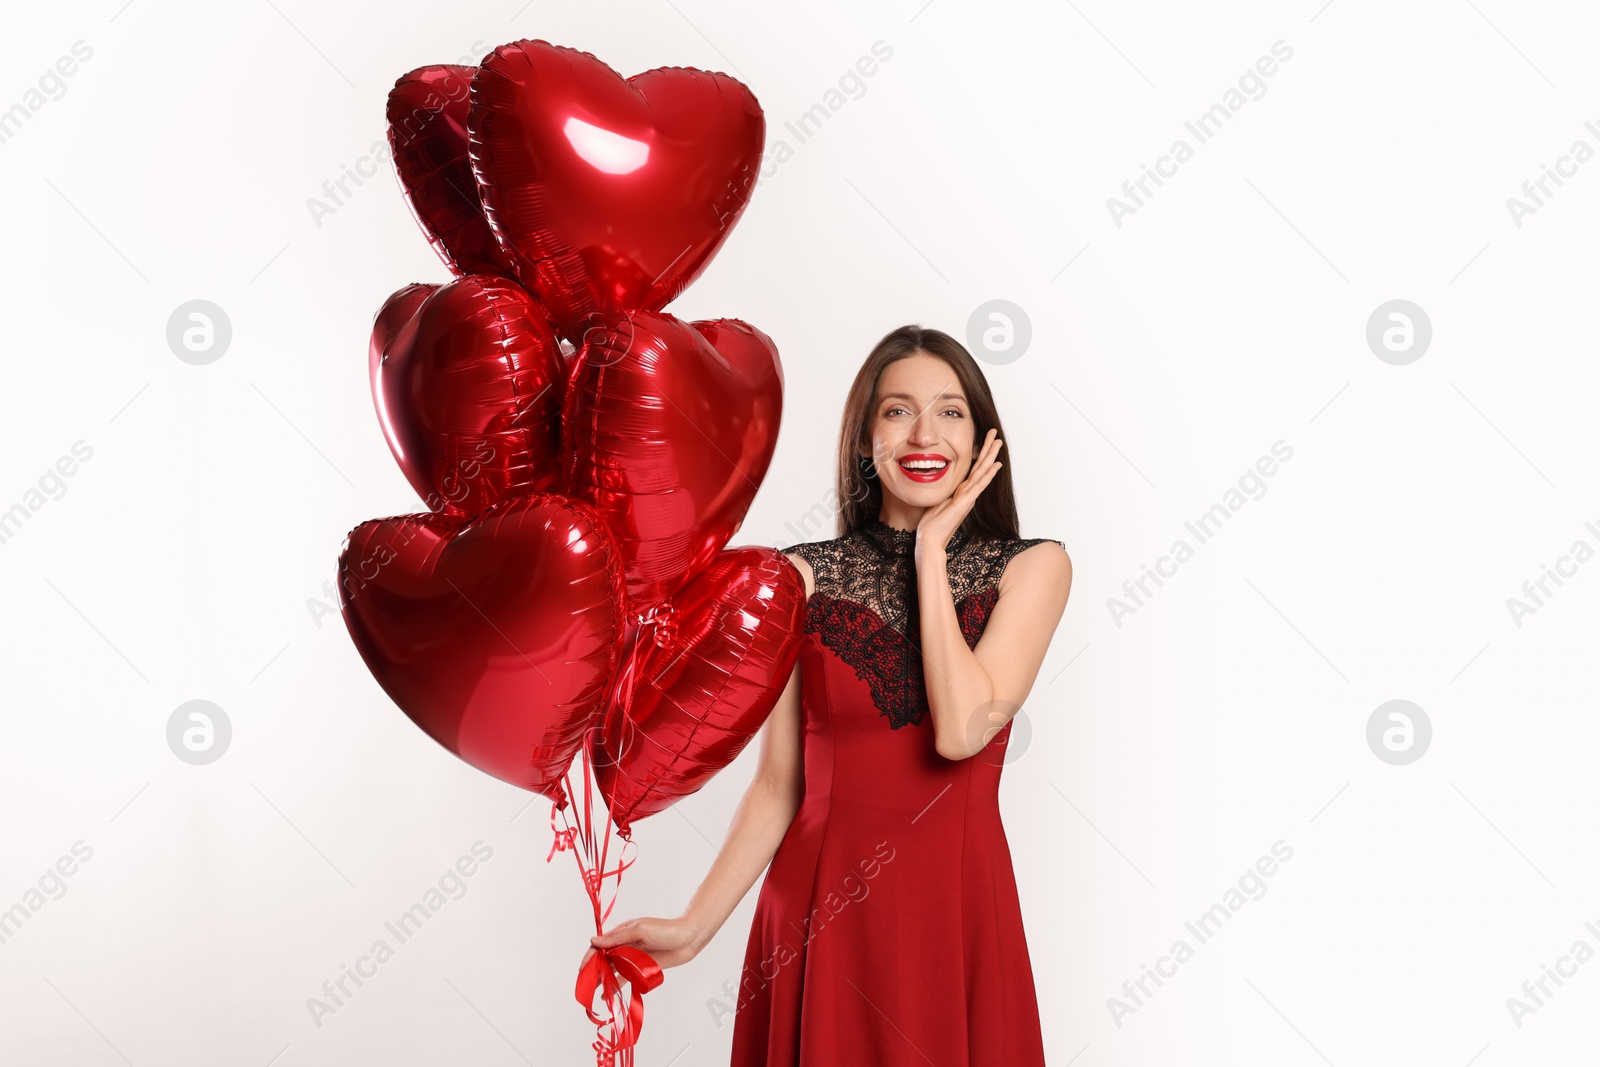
<point x="921" y="430"/>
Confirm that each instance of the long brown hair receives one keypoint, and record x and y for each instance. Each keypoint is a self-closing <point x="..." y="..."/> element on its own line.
<point x="994" y="513"/>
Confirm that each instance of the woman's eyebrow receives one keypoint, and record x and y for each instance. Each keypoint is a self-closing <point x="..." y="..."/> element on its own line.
<point x="908" y="396"/>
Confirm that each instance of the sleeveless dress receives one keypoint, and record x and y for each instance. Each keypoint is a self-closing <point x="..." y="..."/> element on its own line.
<point x="888" y="930"/>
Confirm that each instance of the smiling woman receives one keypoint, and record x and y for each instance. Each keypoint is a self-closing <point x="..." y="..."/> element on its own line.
<point x="927" y="620"/>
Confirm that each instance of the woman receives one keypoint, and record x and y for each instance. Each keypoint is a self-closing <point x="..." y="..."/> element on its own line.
<point x="888" y="930"/>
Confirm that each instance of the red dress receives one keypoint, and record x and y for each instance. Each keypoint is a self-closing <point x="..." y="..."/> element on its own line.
<point x="888" y="930"/>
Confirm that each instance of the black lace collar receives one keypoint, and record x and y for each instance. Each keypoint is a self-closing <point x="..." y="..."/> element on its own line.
<point x="893" y="541"/>
<point x="864" y="605"/>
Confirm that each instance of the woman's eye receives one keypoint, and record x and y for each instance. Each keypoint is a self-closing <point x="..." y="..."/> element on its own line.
<point x="957" y="412"/>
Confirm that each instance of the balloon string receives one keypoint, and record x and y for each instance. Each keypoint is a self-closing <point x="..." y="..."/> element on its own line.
<point x="618" y="1030"/>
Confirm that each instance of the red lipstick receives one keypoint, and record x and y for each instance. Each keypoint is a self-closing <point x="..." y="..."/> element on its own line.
<point x="929" y="471"/>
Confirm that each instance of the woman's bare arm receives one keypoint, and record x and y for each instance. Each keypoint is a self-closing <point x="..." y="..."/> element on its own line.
<point x="758" y="826"/>
<point x="759" y="822"/>
<point x="974" y="692"/>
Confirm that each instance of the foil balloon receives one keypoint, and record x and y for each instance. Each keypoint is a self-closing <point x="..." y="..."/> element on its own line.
<point x="608" y="194"/>
<point x="498" y="635"/>
<point x="395" y="313"/>
<point x="469" y="391"/>
<point x="427" y="112"/>
<point x="700" y="679"/>
<point x="668" y="429"/>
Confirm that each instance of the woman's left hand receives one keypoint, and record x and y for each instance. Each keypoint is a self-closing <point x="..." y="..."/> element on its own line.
<point x="939" y="523"/>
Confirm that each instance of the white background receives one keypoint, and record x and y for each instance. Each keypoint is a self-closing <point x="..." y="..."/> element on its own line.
<point x="186" y="557"/>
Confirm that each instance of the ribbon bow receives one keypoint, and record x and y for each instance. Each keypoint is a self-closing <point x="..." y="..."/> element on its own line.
<point x="606" y="970"/>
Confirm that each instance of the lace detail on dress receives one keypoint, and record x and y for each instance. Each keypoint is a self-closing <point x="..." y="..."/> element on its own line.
<point x="863" y="605"/>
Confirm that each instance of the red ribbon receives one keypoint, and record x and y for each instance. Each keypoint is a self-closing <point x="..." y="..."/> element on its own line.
<point x="607" y="969"/>
<point x="563" y="841"/>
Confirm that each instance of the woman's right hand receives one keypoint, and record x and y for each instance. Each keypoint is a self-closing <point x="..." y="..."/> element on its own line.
<point x="670" y="942"/>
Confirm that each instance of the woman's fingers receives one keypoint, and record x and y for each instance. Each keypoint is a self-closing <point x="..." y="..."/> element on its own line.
<point x="608" y="939"/>
<point x="992" y="456"/>
<point x="983" y="453"/>
<point x="620" y="934"/>
<point x="991" y="449"/>
<point x="668" y="941"/>
<point x="983" y="471"/>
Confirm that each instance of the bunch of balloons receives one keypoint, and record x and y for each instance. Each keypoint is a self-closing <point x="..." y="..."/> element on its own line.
<point x="584" y="456"/>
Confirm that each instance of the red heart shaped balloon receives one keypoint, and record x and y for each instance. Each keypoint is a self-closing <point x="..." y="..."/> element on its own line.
<point x="699" y="682"/>
<point x="427" y="113"/>
<point x="498" y="636"/>
<point x="668" y="430"/>
<point x="469" y="392"/>
<point x="395" y="313"/>
<point x="608" y="194"/>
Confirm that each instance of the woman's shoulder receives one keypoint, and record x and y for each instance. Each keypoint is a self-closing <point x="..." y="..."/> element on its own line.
<point x="1014" y="546"/>
<point x="1032" y="559"/>
<point x="812" y="558"/>
<point x="812" y="550"/>
<point x="1058" y="552"/>
<point x="800" y="557"/>
<point x="1029" y="542"/>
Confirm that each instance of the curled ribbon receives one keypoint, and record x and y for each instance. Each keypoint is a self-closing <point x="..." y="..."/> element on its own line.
<point x="562" y="841"/>
<point x="606" y="970"/>
<point x="661" y="627"/>
<point x="666" y="626"/>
